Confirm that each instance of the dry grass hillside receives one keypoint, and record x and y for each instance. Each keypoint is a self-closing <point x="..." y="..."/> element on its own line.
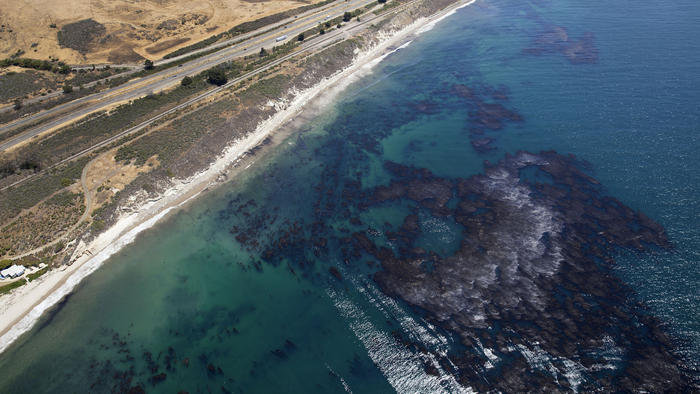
<point x="120" y="31"/>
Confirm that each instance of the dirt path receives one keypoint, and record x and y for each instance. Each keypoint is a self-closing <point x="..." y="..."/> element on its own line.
<point x="88" y="210"/>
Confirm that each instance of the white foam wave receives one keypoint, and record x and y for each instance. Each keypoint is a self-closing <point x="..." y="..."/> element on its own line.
<point x="491" y="358"/>
<point x="402" y="369"/>
<point x="404" y="45"/>
<point x="538" y="358"/>
<point x="346" y="387"/>
<point x="430" y="25"/>
<point x="424" y="333"/>
<point x="418" y="331"/>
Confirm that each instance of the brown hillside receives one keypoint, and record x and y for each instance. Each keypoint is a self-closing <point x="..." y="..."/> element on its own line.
<point x="120" y="31"/>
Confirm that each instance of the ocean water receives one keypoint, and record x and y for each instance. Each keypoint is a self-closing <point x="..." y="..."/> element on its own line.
<point x="280" y="281"/>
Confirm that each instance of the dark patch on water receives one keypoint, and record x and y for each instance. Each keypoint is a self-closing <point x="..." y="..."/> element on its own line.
<point x="556" y="39"/>
<point x="53" y="312"/>
<point x="530" y="279"/>
<point x="522" y="266"/>
<point x="487" y="112"/>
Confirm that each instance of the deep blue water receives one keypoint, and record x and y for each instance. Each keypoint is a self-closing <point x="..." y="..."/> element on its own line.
<point x="236" y="293"/>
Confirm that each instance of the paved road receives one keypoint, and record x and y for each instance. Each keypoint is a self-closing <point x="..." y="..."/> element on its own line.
<point x="306" y="47"/>
<point x="170" y="77"/>
<point x="134" y="68"/>
<point x="59" y="92"/>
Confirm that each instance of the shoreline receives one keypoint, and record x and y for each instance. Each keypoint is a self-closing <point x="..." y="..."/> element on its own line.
<point x="23" y="307"/>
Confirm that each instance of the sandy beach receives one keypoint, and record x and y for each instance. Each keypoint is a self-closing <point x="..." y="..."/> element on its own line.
<point x="21" y="308"/>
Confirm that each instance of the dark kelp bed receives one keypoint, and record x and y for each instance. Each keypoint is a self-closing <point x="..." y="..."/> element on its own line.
<point x="475" y="211"/>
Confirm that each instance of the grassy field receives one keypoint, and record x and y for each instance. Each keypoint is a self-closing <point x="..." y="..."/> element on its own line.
<point x="9" y="287"/>
<point x="30" y="193"/>
<point x="20" y="84"/>
<point x="170" y="141"/>
<point x="28" y="84"/>
<point x="101" y="126"/>
<point x="53" y="216"/>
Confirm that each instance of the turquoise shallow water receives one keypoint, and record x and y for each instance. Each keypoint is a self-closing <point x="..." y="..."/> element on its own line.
<point x="234" y="293"/>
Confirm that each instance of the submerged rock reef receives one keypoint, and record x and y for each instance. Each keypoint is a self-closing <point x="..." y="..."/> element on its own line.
<point x="530" y="286"/>
<point x="528" y="290"/>
<point x="556" y="39"/>
<point x="487" y="112"/>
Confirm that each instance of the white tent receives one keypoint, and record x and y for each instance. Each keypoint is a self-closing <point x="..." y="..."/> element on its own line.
<point x="12" y="272"/>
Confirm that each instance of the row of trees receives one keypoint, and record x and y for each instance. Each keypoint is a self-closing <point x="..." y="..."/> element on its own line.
<point x="45" y="65"/>
<point x="215" y="76"/>
<point x="17" y="103"/>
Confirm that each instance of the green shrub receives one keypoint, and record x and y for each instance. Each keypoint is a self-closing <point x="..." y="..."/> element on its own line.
<point x="37" y="274"/>
<point x="216" y="76"/>
<point x="98" y="225"/>
<point x="13" y="285"/>
<point x="62" y="199"/>
<point x="5" y="263"/>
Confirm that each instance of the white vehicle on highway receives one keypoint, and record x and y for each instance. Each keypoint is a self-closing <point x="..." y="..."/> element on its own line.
<point x="281" y="38"/>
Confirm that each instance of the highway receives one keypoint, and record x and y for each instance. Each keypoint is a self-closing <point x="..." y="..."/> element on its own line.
<point x="134" y="68"/>
<point x="306" y="47"/>
<point x="265" y="37"/>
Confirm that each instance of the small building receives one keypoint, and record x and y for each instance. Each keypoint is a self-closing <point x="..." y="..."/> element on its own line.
<point x="12" y="272"/>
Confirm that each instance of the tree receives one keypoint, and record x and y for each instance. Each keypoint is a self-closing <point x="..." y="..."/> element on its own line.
<point x="263" y="52"/>
<point x="67" y="88"/>
<point x="17" y="104"/>
<point x="322" y="32"/>
<point x="328" y="25"/>
<point x="216" y="76"/>
<point x="186" y="81"/>
<point x="347" y="16"/>
<point x="381" y="1"/>
<point x="148" y="65"/>
<point x="300" y="37"/>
